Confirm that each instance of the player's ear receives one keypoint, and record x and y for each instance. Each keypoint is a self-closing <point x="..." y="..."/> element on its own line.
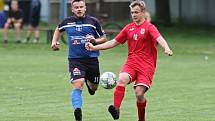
<point x="72" y="9"/>
<point x="71" y="6"/>
<point x="85" y="7"/>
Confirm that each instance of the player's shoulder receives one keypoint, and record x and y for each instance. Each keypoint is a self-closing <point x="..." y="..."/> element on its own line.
<point x="69" y="19"/>
<point x="129" y="26"/>
<point x="88" y="17"/>
<point x="149" y="25"/>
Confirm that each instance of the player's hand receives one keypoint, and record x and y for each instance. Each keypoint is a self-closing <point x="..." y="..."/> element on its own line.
<point x="89" y="46"/>
<point x="91" y="39"/>
<point x="168" y="52"/>
<point x="13" y="19"/>
<point x="55" y="46"/>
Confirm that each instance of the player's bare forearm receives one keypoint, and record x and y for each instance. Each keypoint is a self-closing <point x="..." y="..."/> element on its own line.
<point x="56" y="35"/>
<point x="104" y="46"/>
<point x="101" y="40"/>
<point x="91" y="39"/>
<point x="55" y="39"/>
<point x="164" y="45"/>
<point x="107" y="45"/>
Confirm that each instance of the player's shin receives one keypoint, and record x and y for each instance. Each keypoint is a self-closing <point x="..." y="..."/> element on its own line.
<point x="141" y="106"/>
<point x="118" y="96"/>
<point x="76" y="98"/>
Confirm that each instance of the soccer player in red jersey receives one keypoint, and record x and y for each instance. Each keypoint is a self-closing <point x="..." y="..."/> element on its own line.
<point x="142" y="38"/>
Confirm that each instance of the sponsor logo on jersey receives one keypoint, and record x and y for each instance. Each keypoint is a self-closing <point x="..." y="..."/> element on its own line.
<point x="76" y="42"/>
<point x="131" y="29"/>
<point x="142" y="31"/>
<point x="78" y="28"/>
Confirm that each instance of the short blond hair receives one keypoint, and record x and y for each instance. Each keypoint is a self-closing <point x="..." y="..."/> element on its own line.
<point x="139" y="3"/>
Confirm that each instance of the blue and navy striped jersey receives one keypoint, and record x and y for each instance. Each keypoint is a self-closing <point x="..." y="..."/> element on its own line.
<point x="77" y="29"/>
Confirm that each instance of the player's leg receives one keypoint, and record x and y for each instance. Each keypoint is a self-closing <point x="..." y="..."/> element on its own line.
<point x="126" y="76"/>
<point x="92" y="75"/>
<point x="119" y="93"/>
<point x="77" y="75"/>
<point x="76" y="98"/>
<point x="17" y="26"/>
<point x="91" y="86"/>
<point x="141" y="101"/>
<point x="6" y="27"/>
<point x="142" y="84"/>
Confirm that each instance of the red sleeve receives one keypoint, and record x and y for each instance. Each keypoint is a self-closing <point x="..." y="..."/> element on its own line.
<point x="122" y="36"/>
<point x="154" y="32"/>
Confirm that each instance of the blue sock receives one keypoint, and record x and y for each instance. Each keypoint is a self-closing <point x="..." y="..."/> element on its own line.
<point x="76" y="98"/>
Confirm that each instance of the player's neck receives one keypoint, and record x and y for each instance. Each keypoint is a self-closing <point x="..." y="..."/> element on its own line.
<point x="140" y="22"/>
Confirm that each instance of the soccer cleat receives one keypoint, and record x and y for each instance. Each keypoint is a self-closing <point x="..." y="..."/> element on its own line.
<point x="114" y="112"/>
<point x="78" y="114"/>
<point x="89" y="90"/>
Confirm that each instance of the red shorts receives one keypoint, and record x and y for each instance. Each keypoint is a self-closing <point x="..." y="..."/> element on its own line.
<point x="139" y="77"/>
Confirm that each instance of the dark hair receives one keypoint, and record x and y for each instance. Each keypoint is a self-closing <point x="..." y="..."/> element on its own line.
<point x="72" y="1"/>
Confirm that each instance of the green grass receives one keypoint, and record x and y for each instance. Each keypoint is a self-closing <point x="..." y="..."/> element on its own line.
<point x="34" y="82"/>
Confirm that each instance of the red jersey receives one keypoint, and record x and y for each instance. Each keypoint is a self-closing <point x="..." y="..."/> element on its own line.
<point x="142" y="42"/>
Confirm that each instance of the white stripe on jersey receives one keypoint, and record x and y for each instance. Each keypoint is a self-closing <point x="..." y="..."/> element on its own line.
<point x="72" y="25"/>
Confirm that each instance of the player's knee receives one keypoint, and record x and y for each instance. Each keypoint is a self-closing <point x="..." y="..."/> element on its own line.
<point x="78" y="85"/>
<point x="139" y="92"/>
<point x="17" y="25"/>
<point x="139" y="96"/>
<point x="93" y="86"/>
<point x="123" y="79"/>
<point x="6" y="26"/>
<point x="122" y="82"/>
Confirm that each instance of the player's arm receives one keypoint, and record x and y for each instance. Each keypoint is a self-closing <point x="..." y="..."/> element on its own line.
<point x="107" y="45"/>
<point x="101" y="40"/>
<point x="55" y="39"/>
<point x="164" y="45"/>
<point x="91" y="39"/>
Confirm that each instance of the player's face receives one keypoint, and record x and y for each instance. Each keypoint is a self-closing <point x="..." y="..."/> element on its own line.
<point x="137" y="14"/>
<point x="79" y="8"/>
<point x="14" y="5"/>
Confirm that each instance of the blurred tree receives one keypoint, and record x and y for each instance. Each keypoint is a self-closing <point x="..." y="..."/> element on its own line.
<point x="163" y="12"/>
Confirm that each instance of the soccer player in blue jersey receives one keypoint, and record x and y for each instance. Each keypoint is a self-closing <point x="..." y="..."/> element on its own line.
<point x="83" y="64"/>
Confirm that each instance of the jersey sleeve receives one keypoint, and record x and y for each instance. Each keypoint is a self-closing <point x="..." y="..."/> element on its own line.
<point x="99" y="29"/>
<point x="62" y="25"/>
<point x="122" y="36"/>
<point x="153" y="31"/>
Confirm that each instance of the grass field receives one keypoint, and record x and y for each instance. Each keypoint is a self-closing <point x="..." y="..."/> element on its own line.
<point x="34" y="81"/>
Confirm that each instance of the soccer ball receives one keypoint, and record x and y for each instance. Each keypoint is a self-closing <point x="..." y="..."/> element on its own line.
<point x="108" y="80"/>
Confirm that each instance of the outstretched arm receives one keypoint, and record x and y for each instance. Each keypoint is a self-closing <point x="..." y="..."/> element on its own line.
<point x="107" y="45"/>
<point x="55" y="39"/>
<point x="91" y="39"/>
<point x="165" y="46"/>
